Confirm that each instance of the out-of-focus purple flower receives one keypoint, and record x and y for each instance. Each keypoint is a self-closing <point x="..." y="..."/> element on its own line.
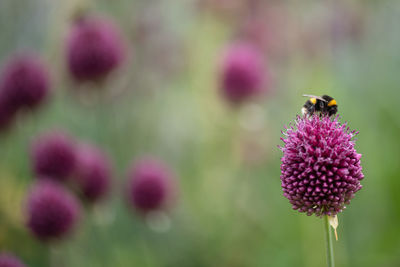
<point x="52" y="211"/>
<point x="94" y="48"/>
<point x="243" y="73"/>
<point x="269" y="27"/>
<point x="54" y="155"/>
<point x="24" y="82"/>
<point x="93" y="173"/>
<point x="150" y="185"/>
<point x="321" y="169"/>
<point x="9" y="260"/>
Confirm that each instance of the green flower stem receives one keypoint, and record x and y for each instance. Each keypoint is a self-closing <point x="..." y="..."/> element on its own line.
<point x="329" y="245"/>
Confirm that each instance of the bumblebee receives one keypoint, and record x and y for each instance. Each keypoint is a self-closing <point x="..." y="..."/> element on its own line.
<point x="324" y="105"/>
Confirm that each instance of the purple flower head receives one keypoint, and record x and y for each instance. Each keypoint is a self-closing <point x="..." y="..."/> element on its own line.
<point x="94" y="49"/>
<point x="53" y="155"/>
<point x="320" y="169"/>
<point x="25" y="82"/>
<point x="93" y="173"/>
<point x="52" y="211"/>
<point x="150" y="185"/>
<point x="242" y="73"/>
<point x="9" y="260"/>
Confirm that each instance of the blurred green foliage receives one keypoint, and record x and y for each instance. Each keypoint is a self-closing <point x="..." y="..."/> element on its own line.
<point x="231" y="211"/>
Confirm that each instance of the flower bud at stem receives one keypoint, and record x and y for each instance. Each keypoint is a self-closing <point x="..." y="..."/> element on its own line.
<point x="333" y="221"/>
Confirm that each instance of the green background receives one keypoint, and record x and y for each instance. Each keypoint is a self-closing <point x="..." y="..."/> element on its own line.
<point x="164" y="102"/>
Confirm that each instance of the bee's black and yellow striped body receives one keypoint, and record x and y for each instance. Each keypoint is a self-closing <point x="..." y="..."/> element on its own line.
<point x="324" y="105"/>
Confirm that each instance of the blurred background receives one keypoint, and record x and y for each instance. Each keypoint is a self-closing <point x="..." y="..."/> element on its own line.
<point x="165" y="100"/>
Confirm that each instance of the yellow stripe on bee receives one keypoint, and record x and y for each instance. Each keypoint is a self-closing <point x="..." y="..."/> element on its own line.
<point x="313" y="100"/>
<point x="332" y="103"/>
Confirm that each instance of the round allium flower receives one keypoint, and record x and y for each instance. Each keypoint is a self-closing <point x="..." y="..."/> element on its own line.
<point x="9" y="260"/>
<point x="52" y="211"/>
<point x="24" y="81"/>
<point x="320" y="169"/>
<point x="53" y="155"/>
<point x="150" y="185"/>
<point x="93" y="173"/>
<point x="243" y="73"/>
<point x="94" y="48"/>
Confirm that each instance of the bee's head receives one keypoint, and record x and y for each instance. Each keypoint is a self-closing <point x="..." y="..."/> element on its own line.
<point x="332" y="110"/>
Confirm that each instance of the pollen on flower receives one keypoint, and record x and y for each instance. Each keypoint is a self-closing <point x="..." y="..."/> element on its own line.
<point x="320" y="170"/>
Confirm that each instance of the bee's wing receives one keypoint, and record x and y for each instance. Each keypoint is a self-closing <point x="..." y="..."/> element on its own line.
<point x="317" y="97"/>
